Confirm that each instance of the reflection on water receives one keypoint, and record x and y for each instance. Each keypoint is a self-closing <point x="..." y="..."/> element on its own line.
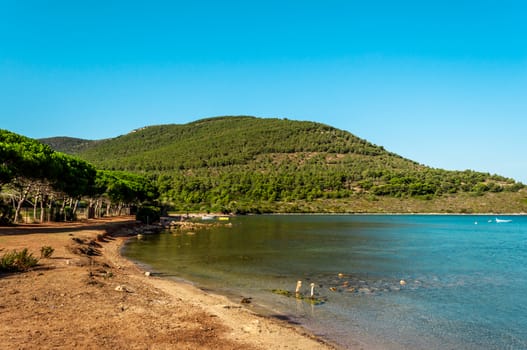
<point x="393" y="281"/>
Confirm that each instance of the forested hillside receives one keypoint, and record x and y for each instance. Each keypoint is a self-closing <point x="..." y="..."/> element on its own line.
<point x="248" y="164"/>
<point x="220" y="142"/>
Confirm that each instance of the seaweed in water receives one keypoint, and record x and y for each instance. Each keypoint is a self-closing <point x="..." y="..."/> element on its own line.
<point x="314" y="300"/>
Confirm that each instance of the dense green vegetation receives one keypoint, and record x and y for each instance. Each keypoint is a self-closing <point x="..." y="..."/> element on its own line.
<point x="53" y="184"/>
<point x="248" y="164"/>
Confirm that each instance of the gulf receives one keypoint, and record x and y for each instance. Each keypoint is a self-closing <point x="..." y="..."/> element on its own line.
<point x="380" y="281"/>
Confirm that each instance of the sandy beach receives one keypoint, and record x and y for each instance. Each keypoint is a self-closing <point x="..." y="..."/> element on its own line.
<point x="88" y="296"/>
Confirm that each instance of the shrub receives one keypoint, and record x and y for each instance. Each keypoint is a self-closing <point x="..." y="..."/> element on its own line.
<point x="148" y="214"/>
<point x="46" y="252"/>
<point x="17" y="261"/>
<point x="6" y="213"/>
<point x="65" y="215"/>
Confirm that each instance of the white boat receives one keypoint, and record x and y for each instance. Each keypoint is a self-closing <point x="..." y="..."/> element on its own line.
<point x="208" y="217"/>
<point x="499" y="221"/>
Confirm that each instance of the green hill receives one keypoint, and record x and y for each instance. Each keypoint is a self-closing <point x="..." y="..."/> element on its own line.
<point x="218" y="142"/>
<point x="250" y="164"/>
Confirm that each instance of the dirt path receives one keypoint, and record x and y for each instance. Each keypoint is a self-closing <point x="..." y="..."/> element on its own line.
<point x="87" y="296"/>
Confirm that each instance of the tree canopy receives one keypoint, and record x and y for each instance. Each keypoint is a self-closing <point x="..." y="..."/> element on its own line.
<point x="32" y="173"/>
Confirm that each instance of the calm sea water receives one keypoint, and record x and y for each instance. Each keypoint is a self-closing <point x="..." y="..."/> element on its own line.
<point x="465" y="277"/>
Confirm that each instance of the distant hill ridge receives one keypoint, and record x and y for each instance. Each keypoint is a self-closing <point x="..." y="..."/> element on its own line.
<point x="213" y="142"/>
<point x="274" y="164"/>
<point x="65" y="144"/>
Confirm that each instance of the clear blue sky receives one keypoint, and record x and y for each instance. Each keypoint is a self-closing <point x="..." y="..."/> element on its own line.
<point x="440" y="82"/>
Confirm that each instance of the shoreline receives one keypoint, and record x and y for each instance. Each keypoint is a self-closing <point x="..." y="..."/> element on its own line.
<point x="105" y="301"/>
<point x="398" y="214"/>
<point x="237" y="311"/>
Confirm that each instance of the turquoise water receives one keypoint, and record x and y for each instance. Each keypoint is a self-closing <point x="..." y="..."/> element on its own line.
<point x="465" y="277"/>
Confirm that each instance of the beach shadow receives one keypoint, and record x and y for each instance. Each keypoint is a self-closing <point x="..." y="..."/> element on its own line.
<point x="26" y="229"/>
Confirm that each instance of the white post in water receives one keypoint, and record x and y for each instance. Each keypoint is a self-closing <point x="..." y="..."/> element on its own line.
<point x="312" y="289"/>
<point x="298" y="286"/>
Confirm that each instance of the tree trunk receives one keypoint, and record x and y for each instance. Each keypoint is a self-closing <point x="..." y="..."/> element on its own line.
<point x="98" y="208"/>
<point x="35" y="203"/>
<point x="63" y="209"/>
<point x="75" y="206"/>
<point x="42" y="209"/>
<point x="90" y="215"/>
<point x="50" y="206"/>
<point x="20" y="202"/>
